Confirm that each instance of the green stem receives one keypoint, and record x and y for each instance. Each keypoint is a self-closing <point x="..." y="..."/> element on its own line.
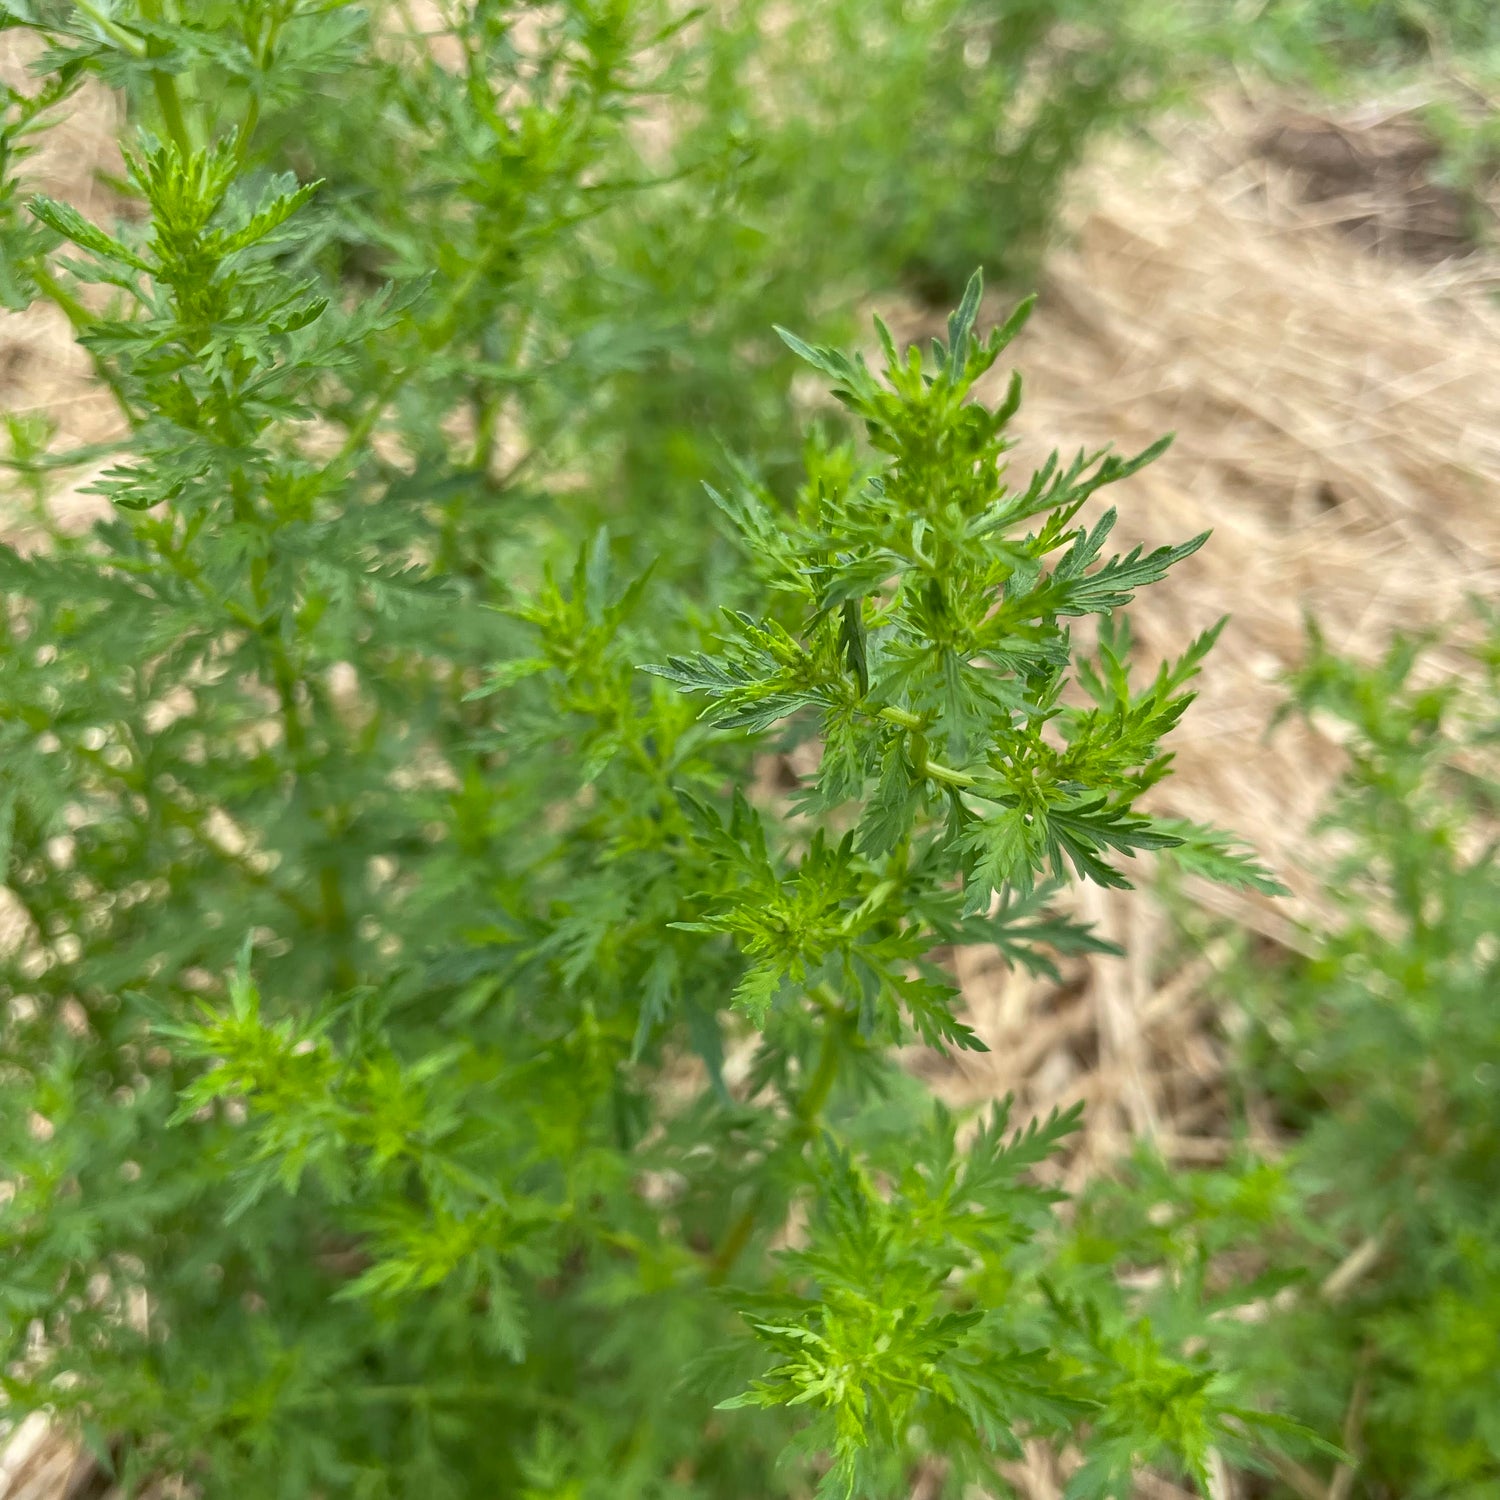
<point x="809" y="1112"/>
<point x="901" y="717"/>
<point x="170" y="103"/>
<point x="268" y="624"/>
<point x="264" y="54"/>
<point x="247" y="130"/>
<point x="336" y="924"/>
<point x="825" y="1073"/>
<point x="904" y="719"/>
<point x="185" y="566"/>
<point x="123" y="39"/>
<point x="487" y="403"/>
<point x="164" y="85"/>
<point x="334" y="911"/>
<point x="732" y="1246"/>
<point x="286" y="696"/>
<point x="940" y="772"/>
<point x="491" y="401"/>
<point x="61" y="298"/>
<point x="357" y="434"/>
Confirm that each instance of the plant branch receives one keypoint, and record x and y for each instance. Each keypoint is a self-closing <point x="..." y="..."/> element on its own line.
<point x="125" y="40"/>
<point x="164" y="86"/>
<point x="809" y="1112"/>
<point x="903" y="719"/>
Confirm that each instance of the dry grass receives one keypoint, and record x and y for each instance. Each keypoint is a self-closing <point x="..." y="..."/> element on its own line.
<point x="39" y="1465"/>
<point x="1338" y="426"/>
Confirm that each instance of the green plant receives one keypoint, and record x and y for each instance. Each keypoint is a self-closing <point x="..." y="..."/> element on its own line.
<point x="1378" y="1047"/>
<point x="419" y="1041"/>
<point x="664" y="184"/>
<point x="934" y="135"/>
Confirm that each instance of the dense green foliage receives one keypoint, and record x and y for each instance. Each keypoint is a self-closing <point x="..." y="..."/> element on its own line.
<point x="626" y="194"/>
<point x="425" y="1158"/>
<point x="466" y="891"/>
<point x="926" y="136"/>
<point x="1382" y="1048"/>
<point x="1378" y="1048"/>
<point x="417" y="1039"/>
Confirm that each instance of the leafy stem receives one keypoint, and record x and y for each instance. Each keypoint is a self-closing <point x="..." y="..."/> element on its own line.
<point x="164" y="86"/>
<point x="127" y="41"/>
<point x="925" y="764"/>
<point x="840" y="1021"/>
<point x="939" y="772"/>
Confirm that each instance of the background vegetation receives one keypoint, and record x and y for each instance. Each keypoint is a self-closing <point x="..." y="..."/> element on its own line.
<point x="436" y="1183"/>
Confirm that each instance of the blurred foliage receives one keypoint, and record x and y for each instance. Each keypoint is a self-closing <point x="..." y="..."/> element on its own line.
<point x="1338" y="42"/>
<point x="933" y="134"/>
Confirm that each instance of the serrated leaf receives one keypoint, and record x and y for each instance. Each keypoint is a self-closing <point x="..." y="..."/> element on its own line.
<point x="65" y="220"/>
<point x="1213" y="855"/>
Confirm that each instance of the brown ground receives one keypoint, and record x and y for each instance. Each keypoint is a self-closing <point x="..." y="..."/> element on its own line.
<point x="1296" y="300"/>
